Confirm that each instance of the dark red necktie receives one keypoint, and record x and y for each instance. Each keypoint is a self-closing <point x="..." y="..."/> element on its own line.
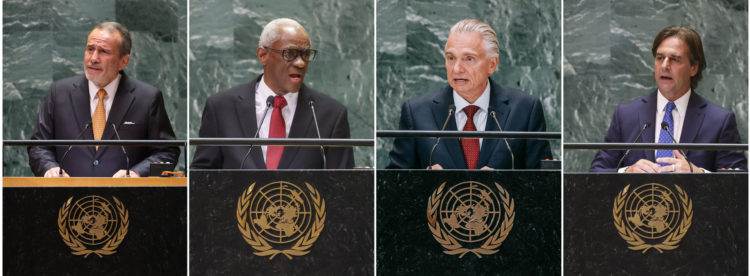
<point x="276" y="130"/>
<point x="470" y="145"/>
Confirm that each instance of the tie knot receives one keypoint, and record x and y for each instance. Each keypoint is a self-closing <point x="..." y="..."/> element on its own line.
<point x="470" y="110"/>
<point x="279" y="102"/>
<point x="670" y="106"/>
<point x="101" y="93"/>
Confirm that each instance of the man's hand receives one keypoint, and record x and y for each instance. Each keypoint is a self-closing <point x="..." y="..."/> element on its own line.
<point x="121" y="173"/>
<point x="678" y="164"/>
<point x="643" y="166"/>
<point x="54" y="172"/>
<point x="435" y="167"/>
<point x="485" y="168"/>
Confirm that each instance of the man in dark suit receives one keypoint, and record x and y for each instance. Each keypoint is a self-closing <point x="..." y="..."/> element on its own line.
<point x="471" y="56"/>
<point x="284" y="51"/>
<point x="678" y="66"/>
<point x="88" y="105"/>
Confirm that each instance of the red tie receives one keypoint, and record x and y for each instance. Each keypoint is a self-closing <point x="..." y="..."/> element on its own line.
<point x="470" y="145"/>
<point x="277" y="130"/>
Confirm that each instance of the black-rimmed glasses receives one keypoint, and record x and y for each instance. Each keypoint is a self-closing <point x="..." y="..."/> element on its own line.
<point x="291" y="54"/>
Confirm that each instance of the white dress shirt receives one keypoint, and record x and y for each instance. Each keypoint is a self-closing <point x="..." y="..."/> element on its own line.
<point x="111" y="89"/>
<point x="262" y="91"/>
<point x="480" y="117"/>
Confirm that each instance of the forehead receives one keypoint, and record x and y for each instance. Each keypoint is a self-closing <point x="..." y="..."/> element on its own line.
<point x="464" y="43"/>
<point x="103" y="38"/>
<point x="673" y="46"/>
<point x="291" y="37"/>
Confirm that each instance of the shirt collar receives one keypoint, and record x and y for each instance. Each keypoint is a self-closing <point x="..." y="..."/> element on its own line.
<point x="483" y="102"/>
<point x="111" y="88"/>
<point x="264" y="91"/>
<point x="680" y="104"/>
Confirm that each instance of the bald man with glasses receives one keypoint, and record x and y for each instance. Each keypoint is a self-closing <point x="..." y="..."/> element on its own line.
<point x="275" y="104"/>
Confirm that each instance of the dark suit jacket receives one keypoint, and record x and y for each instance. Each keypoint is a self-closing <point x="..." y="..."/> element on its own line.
<point x="704" y="122"/>
<point x="66" y="110"/>
<point x="231" y="113"/>
<point x="516" y="111"/>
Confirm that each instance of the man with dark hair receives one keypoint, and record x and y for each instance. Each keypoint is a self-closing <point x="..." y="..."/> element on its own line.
<point x="92" y="104"/>
<point x="678" y="67"/>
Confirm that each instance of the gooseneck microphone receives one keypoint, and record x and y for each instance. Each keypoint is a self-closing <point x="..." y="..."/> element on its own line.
<point x="269" y="102"/>
<point x="451" y="109"/>
<point x="127" y="160"/>
<point x="645" y="126"/>
<point x="665" y="126"/>
<point x="62" y="160"/>
<point x="317" y="129"/>
<point x="494" y="117"/>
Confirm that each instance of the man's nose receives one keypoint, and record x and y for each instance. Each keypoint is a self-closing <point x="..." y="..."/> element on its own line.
<point x="458" y="67"/>
<point x="299" y="62"/>
<point x="94" y="56"/>
<point x="665" y="64"/>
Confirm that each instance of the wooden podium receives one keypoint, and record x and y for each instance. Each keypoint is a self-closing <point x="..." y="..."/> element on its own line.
<point x="19" y="182"/>
<point x="91" y="225"/>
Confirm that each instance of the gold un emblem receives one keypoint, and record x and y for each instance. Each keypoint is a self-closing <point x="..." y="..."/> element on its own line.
<point x="470" y="217"/>
<point x="281" y="218"/>
<point x="652" y="216"/>
<point x="92" y="225"/>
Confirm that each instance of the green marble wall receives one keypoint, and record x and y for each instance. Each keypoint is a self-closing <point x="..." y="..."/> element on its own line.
<point x="224" y="37"/>
<point x="44" y="41"/>
<point x="411" y="41"/>
<point x="608" y="60"/>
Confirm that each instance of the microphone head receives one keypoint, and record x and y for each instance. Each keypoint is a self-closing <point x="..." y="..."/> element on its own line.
<point x="452" y="108"/>
<point x="311" y="103"/>
<point x="269" y="101"/>
<point x="646" y="125"/>
<point x="491" y="109"/>
<point x="664" y="126"/>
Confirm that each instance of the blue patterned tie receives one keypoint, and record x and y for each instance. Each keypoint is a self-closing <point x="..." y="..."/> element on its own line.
<point x="664" y="136"/>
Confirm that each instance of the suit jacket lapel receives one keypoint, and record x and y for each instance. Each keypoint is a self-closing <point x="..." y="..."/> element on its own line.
<point x="120" y="105"/>
<point x="693" y="118"/>
<point x="451" y="145"/>
<point x="82" y="109"/>
<point x="499" y="101"/>
<point x="647" y="114"/>
<point x="302" y="121"/>
<point x="245" y="109"/>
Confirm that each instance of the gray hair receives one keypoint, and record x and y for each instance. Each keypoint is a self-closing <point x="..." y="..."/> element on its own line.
<point x="489" y="38"/>
<point x="271" y="31"/>
<point x="125" y="42"/>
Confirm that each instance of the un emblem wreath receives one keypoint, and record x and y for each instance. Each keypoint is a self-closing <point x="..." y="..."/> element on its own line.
<point x="469" y="212"/>
<point x="91" y="222"/>
<point x="280" y="213"/>
<point x="650" y="216"/>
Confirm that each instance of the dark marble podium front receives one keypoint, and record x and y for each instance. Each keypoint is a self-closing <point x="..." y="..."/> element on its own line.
<point x="406" y="245"/>
<point x="155" y="242"/>
<point x="715" y="243"/>
<point x="344" y="247"/>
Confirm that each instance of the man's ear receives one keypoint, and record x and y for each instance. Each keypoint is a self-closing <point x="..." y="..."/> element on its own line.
<point x="262" y="55"/>
<point x="124" y="60"/>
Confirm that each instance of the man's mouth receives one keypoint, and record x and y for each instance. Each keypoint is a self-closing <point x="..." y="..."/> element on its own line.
<point x="461" y="81"/>
<point x="665" y="78"/>
<point x="93" y="68"/>
<point x="295" y="77"/>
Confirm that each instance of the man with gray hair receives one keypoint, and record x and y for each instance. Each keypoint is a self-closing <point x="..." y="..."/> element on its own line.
<point x="93" y="106"/>
<point x="471" y="102"/>
<point x="275" y="104"/>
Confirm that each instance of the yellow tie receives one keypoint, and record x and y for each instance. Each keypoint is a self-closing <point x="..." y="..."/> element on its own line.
<point x="99" y="120"/>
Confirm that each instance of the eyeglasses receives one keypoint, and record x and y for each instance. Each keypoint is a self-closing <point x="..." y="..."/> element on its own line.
<point x="292" y="54"/>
